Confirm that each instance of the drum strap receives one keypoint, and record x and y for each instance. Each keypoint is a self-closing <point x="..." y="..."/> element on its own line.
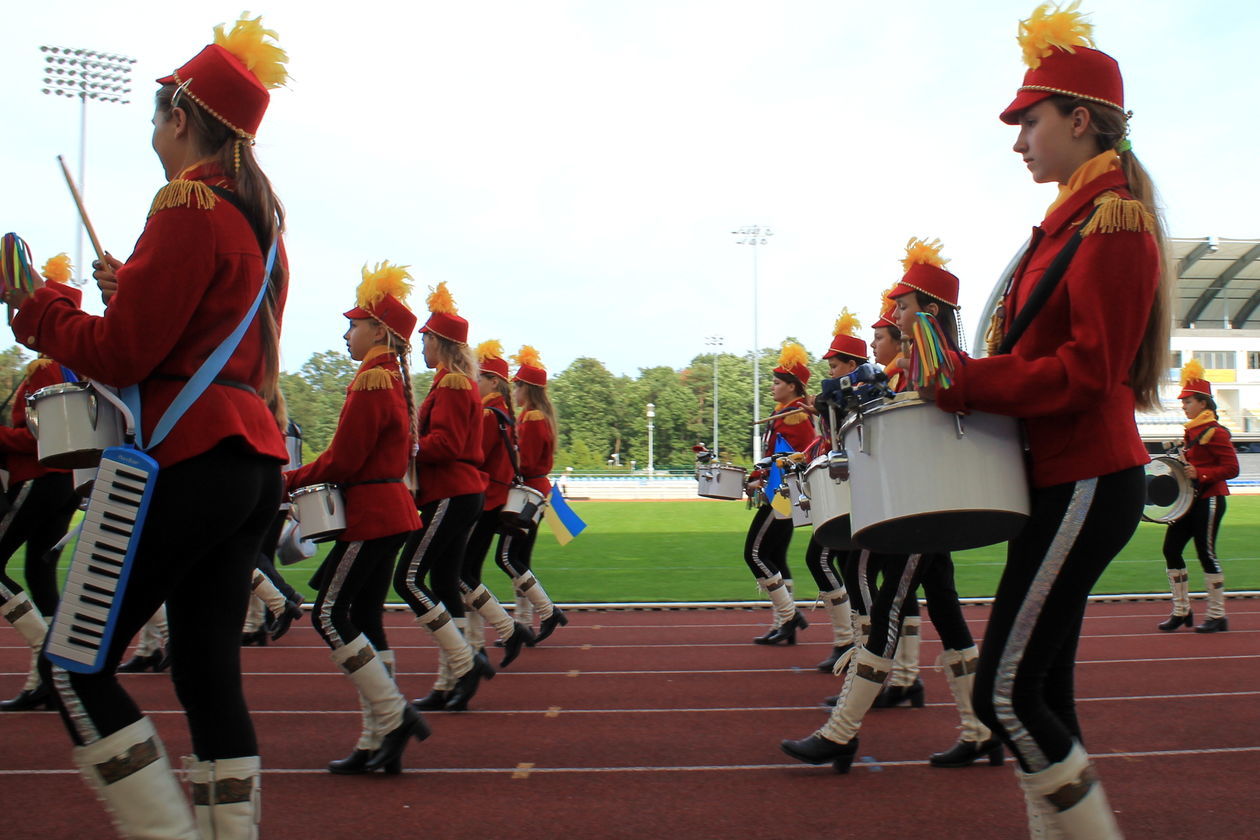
<point x="506" y="422"/>
<point x="1042" y="291"/>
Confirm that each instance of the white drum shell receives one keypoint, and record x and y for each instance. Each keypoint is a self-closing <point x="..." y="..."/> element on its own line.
<point x="524" y="506"/>
<point x="1164" y="468"/>
<point x="919" y="484"/>
<point x="320" y="510"/>
<point x="829" y="505"/>
<point x="72" y="425"/>
<point x="722" y="482"/>
<point x="795" y="484"/>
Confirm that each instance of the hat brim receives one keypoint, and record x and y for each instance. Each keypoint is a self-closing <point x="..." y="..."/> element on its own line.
<point x="359" y="314"/>
<point x="1023" y="100"/>
<point x="840" y="354"/>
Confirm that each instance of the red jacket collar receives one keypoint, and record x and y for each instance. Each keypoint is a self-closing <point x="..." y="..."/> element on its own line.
<point x="1070" y="209"/>
<point x="209" y="172"/>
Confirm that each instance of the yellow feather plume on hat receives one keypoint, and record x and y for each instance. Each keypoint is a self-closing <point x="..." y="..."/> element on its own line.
<point x="57" y="269"/>
<point x="1191" y="371"/>
<point x="886" y="301"/>
<point x="922" y="252"/>
<point x="792" y="355"/>
<point x="492" y="349"/>
<point x="528" y="356"/>
<point x="1050" y="28"/>
<point x="440" y="300"/>
<point x="847" y="323"/>
<point x="384" y="279"/>
<point x="248" y="42"/>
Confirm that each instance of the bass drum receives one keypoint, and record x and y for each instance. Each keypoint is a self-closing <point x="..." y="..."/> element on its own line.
<point x="1169" y="491"/>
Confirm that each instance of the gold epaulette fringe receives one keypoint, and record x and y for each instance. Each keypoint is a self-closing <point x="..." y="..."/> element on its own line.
<point x="375" y="379"/>
<point x="36" y="364"/>
<point x="1115" y="213"/>
<point x="456" y="381"/>
<point x="532" y="414"/>
<point x="795" y="417"/>
<point x="182" y="193"/>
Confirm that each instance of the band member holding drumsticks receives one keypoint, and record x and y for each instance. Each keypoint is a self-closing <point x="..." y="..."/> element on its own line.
<point x="769" y="533"/>
<point x="1210" y="461"/>
<point x="925" y="287"/>
<point x="1096" y="349"/>
<point x="499" y="463"/>
<point x="41" y="502"/>
<point x="536" y="447"/>
<point x="449" y="496"/>
<point x="368" y="457"/>
<point x="196" y="270"/>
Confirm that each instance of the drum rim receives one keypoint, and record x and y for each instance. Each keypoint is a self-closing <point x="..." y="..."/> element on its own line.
<point x="525" y="488"/>
<point x="1183" y="503"/>
<point x="312" y="488"/>
<point x="54" y="390"/>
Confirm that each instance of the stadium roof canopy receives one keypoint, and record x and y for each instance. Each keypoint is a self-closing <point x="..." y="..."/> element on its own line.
<point x="1218" y="283"/>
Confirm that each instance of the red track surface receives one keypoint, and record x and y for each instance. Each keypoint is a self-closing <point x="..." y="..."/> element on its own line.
<point x="661" y="724"/>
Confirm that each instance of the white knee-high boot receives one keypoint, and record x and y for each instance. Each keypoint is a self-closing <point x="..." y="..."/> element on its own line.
<point x="836" y="603"/>
<point x="154" y="634"/>
<point x="458" y="653"/>
<point x="129" y="771"/>
<point x="482" y="601"/>
<point x="474" y="630"/>
<point x="1070" y="799"/>
<point x="784" y="607"/>
<point x="254" y="615"/>
<point x="267" y="592"/>
<point x="529" y="586"/>
<point x="906" y="660"/>
<point x="524" y="610"/>
<point x="21" y="613"/>
<point x="1179" y="583"/>
<point x="974" y="738"/>
<point x="1215" y="586"/>
<point x="359" y="662"/>
<point x="863" y="680"/>
<point x="227" y="797"/>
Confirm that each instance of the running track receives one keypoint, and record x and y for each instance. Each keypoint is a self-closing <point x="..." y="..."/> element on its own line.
<point x="666" y="724"/>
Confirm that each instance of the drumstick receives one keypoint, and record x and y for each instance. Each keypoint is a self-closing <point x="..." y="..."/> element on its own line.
<point x="804" y="408"/>
<point x="87" y="223"/>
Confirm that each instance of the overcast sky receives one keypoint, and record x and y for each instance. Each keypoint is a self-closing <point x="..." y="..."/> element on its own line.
<point x="574" y="170"/>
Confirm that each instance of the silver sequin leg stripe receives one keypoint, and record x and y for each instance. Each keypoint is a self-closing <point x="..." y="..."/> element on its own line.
<point x="413" y="565"/>
<point x="1211" y="537"/>
<point x="894" y="615"/>
<point x="5" y="523"/>
<point x="335" y="586"/>
<point x="824" y="562"/>
<point x="864" y="560"/>
<point x="756" y="547"/>
<point x="1029" y="613"/>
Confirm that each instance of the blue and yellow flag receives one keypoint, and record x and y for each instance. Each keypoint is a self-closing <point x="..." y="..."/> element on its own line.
<point x="782" y="504"/>
<point x="565" y="524"/>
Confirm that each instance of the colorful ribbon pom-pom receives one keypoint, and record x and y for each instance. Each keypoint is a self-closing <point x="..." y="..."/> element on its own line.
<point x="16" y="271"/>
<point x="930" y="362"/>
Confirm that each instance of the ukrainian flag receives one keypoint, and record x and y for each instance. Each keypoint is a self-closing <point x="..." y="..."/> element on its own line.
<point x="565" y="524"/>
<point x="782" y="504"/>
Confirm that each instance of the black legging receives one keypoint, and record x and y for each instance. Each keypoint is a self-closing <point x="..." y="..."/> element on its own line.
<point x="40" y="510"/>
<point x="861" y="591"/>
<point x="478" y="544"/>
<point x="823" y="564"/>
<point x="902" y="576"/>
<point x="197" y="552"/>
<point x="1024" y="684"/>
<point x="267" y="555"/>
<point x="766" y="546"/>
<point x="354" y="580"/>
<point x="436" y="552"/>
<point x="515" y="555"/>
<point x="1202" y="523"/>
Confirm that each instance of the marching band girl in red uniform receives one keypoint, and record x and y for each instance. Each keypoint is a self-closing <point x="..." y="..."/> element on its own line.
<point x="41" y="502"/>
<point x="769" y="535"/>
<point x="1211" y="461"/>
<point x="536" y="447"/>
<point x="195" y="272"/>
<point x="1095" y="350"/>
<point x="450" y="500"/>
<point x="498" y="463"/>
<point x="369" y="456"/>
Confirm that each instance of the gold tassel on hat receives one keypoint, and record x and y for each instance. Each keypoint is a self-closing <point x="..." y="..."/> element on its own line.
<point x="1116" y="214"/>
<point x="183" y="193"/>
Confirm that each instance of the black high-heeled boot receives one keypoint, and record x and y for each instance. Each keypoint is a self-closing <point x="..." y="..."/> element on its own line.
<point x="388" y="756"/>
<point x="785" y="634"/>
<point x="521" y="637"/>
<point x="818" y="750"/>
<point x="433" y="701"/>
<point x="549" y="624"/>
<point x="895" y="695"/>
<point x="28" y="700"/>
<point x="292" y="612"/>
<point x="258" y="637"/>
<point x="1213" y="625"/>
<point x="966" y="753"/>
<point x="140" y="663"/>
<point x="829" y="664"/>
<point x="1174" y="621"/>
<point x="467" y="685"/>
<point x="352" y="765"/>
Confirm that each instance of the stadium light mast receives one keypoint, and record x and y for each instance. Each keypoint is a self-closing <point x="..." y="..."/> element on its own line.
<point x="651" y="415"/>
<point x="85" y="74"/>
<point x="755" y="236"/>
<point x="716" y="342"/>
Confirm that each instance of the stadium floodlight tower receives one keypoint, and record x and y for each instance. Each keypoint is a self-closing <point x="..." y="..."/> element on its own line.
<point x="85" y="75"/>
<point x="755" y="236"/>
<point x="716" y="342"/>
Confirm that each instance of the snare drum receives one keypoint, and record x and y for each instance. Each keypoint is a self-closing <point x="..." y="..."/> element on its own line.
<point x="83" y="479"/>
<point x="72" y="425"/>
<point x="796" y="494"/>
<point x="923" y="480"/>
<point x="1169" y="491"/>
<point x="523" y="508"/>
<point x="320" y="511"/>
<point x="721" y="481"/>
<point x="829" y="504"/>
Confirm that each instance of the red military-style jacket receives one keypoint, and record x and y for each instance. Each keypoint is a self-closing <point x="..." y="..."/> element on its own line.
<point x="1211" y="452"/>
<point x="536" y="449"/>
<point x="190" y="280"/>
<point x="1067" y="377"/>
<point x="369" y="452"/>
<point x="448" y="462"/>
<point x="795" y="426"/>
<point x="17" y="444"/>
<point x="496" y="460"/>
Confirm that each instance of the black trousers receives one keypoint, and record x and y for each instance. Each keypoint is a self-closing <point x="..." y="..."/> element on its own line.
<point x="896" y="596"/>
<point x="197" y="552"/>
<point x="766" y="546"/>
<point x="479" y="541"/>
<point x="515" y="555"/>
<point x="860" y="578"/>
<point x="353" y="582"/>
<point x="1201" y="523"/>
<point x="40" y="510"/>
<point x="1024" y="688"/>
<point x="823" y="564"/>
<point x="436" y="553"/>
<point x="267" y="558"/>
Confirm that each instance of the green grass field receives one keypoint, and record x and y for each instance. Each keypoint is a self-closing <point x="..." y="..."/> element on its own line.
<point x="693" y="550"/>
